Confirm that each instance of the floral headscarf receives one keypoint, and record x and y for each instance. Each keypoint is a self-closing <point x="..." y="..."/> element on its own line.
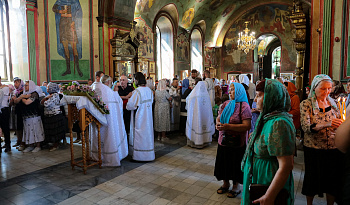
<point x="240" y="96"/>
<point x="315" y="82"/>
<point x="20" y="87"/>
<point x="162" y="84"/>
<point x="53" y="88"/>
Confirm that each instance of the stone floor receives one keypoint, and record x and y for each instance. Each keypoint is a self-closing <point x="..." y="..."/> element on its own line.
<point x="179" y="175"/>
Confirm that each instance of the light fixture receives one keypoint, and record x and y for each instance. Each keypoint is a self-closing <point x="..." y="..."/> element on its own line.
<point x="246" y="42"/>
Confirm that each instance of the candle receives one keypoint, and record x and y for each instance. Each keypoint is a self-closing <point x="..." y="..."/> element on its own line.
<point x="340" y="109"/>
<point x="344" y="109"/>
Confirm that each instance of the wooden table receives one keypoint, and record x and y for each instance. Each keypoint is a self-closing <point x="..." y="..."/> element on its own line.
<point x="85" y="118"/>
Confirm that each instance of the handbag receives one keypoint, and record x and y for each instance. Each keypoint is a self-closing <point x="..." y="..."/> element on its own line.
<point x="232" y="140"/>
<point x="256" y="191"/>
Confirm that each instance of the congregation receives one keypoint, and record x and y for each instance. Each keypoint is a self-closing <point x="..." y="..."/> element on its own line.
<point x="258" y="127"/>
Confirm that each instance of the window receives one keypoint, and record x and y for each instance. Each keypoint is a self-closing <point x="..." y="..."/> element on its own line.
<point x="196" y="51"/>
<point x="165" y="50"/>
<point x="4" y="54"/>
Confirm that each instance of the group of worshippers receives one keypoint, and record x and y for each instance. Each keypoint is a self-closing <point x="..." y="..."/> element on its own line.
<point x="35" y="115"/>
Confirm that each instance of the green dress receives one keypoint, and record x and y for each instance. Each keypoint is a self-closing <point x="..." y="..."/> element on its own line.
<point x="276" y="138"/>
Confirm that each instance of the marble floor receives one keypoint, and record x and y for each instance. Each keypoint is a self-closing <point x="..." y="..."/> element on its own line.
<point x="179" y="175"/>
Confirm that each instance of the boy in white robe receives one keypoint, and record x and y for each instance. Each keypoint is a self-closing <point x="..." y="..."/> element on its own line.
<point x="200" y="122"/>
<point x="141" y="139"/>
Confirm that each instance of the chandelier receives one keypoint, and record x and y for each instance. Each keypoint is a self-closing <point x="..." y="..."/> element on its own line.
<point x="246" y="42"/>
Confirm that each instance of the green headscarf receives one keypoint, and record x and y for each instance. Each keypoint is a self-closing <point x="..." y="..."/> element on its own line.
<point x="276" y="105"/>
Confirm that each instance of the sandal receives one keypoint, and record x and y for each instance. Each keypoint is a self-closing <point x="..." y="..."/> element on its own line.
<point x="222" y="190"/>
<point x="233" y="194"/>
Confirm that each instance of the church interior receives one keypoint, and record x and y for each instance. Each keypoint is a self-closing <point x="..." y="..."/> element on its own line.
<point x="291" y="39"/>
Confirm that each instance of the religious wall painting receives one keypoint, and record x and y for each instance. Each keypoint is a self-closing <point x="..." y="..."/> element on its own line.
<point x="228" y="10"/>
<point x="67" y="31"/>
<point x="286" y="76"/>
<point x="143" y="6"/>
<point x="187" y="18"/>
<point x="145" y="36"/>
<point x="152" y="67"/>
<point x="183" y="48"/>
<point x="126" y="9"/>
<point x="210" y="56"/>
<point x="272" y="18"/>
<point x="214" y="4"/>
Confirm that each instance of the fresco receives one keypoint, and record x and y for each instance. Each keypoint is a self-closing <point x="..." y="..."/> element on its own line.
<point x="68" y="39"/>
<point x="270" y="18"/>
<point x="188" y="18"/>
<point x="183" y="48"/>
<point x="125" y="9"/>
<point x="214" y="12"/>
<point x="210" y="56"/>
<point x="144" y="33"/>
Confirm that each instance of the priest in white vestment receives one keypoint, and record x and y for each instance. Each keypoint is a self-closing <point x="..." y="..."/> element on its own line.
<point x="114" y="145"/>
<point x="141" y="139"/>
<point x="210" y="87"/>
<point x="200" y="122"/>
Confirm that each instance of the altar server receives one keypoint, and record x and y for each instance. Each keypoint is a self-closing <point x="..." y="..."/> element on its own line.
<point x="210" y="87"/>
<point x="200" y="122"/>
<point x="141" y="140"/>
<point x="113" y="136"/>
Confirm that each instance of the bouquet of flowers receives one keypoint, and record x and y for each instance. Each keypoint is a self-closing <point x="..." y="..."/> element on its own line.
<point x="74" y="88"/>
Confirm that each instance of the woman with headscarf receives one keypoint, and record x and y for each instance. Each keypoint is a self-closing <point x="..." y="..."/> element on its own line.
<point x="337" y="90"/>
<point x="320" y="118"/>
<point x="162" y="99"/>
<point x="295" y="103"/>
<point x="200" y="122"/>
<point x="233" y="123"/>
<point x="268" y="159"/>
<point x="54" y="120"/>
<point x="33" y="131"/>
<point x="185" y="91"/>
<point x="218" y="90"/>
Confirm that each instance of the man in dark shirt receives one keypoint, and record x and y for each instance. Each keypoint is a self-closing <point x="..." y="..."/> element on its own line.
<point x="125" y="92"/>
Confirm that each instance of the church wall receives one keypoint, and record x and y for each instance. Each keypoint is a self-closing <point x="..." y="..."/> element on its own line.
<point x="264" y="19"/>
<point x="338" y="4"/>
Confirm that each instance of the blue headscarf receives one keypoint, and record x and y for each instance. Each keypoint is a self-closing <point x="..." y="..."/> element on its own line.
<point x="44" y="89"/>
<point x="240" y="96"/>
<point x="185" y="84"/>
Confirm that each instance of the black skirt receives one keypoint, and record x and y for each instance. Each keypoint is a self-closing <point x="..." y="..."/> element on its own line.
<point x="228" y="164"/>
<point x="55" y="128"/>
<point x="323" y="172"/>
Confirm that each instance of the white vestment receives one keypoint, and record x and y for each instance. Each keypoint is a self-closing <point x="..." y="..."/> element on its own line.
<point x="175" y="110"/>
<point x="114" y="144"/>
<point x="211" y="90"/>
<point x="141" y="139"/>
<point x="200" y="122"/>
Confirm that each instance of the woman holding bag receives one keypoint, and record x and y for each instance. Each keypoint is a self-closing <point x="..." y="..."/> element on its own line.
<point x="233" y="123"/>
<point x="268" y="159"/>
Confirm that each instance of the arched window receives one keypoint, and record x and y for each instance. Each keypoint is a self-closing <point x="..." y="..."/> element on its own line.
<point x="276" y="61"/>
<point x="196" y="51"/>
<point x="165" y="49"/>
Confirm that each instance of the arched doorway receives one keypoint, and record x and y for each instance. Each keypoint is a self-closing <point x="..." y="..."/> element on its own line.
<point x="165" y="48"/>
<point x="268" y="55"/>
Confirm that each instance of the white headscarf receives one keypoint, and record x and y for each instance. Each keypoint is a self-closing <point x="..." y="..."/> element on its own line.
<point x="244" y="79"/>
<point x="32" y="88"/>
<point x="161" y="85"/>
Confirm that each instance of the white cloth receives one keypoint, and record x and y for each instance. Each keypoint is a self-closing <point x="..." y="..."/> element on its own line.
<point x="175" y="110"/>
<point x="33" y="130"/>
<point x="252" y="90"/>
<point x="200" y="122"/>
<point x="114" y="144"/>
<point x="4" y="97"/>
<point x="211" y="90"/>
<point x="83" y="102"/>
<point x="244" y="79"/>
<point x="141" y="139"/>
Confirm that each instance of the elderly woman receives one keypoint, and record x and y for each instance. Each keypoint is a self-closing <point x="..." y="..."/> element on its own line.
<point x="33" y="131"/>
<point x="319" y="120"/>
<point x="268" y="159"/>
<point x="54" y="120"/>
<point x="162" y="100"/>
<point x="233" y="123"/>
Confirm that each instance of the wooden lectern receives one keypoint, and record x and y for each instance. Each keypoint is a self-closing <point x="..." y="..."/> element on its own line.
<point x="85" y="118"/>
